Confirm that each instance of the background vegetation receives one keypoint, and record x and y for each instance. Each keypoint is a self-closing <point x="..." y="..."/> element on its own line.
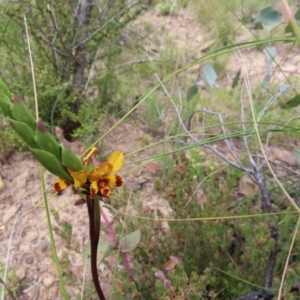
<point x="213" y="114"/>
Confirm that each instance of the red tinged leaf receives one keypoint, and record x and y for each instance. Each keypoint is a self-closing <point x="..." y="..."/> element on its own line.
<point x="153" y="167"/>
<point x="160" y="275"/>
<point x="167" y="284"/>
<point x="170" y="265"/>
<point x="175" y="259"/>
<point x="173" y="262"/>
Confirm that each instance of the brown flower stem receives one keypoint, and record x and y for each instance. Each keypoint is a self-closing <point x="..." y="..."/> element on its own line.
<point x="94" y="216"/>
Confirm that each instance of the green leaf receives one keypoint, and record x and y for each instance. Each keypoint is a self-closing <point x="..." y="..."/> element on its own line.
<point x="192" y="92"/>
<point x="292" y="102"/>
<point x="269" y="18"/>
<point x="71" y="161"/>
<point x="46" y="141"/>
<point x="104" y="248"/>
<point x="25" y="133"/>
<point x="236" y="79"/>
<point x="50" y="162"/>
<point x="288" y="28"/>
<point x="21" y="112"/>
<point x="4" y="89"/>
<point x="5" y="105"/>
<point x="130" y="241"/>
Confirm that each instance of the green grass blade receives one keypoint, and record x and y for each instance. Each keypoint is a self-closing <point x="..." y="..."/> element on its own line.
<point x="53" y="247"/>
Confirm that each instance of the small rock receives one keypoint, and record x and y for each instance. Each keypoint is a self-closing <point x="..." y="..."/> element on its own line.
<point x="20" y="273"/>
<point x="48" y="281"/>
<point x="1" y="184"/>
<point x="10" y="212"/>
<point x="44" y="245"/>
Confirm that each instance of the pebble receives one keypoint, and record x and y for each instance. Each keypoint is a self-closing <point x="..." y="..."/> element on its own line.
<point x="20" y="273"/>
<point x="48" y="281"/>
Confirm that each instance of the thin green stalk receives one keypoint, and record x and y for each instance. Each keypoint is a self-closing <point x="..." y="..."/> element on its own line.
<point x="53" y="247"/>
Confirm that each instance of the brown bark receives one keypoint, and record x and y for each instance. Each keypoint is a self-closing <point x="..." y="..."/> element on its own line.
<point x="83" y="19"/>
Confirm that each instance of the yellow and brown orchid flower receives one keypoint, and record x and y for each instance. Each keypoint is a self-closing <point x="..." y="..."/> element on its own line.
<point x="99" y="178"/>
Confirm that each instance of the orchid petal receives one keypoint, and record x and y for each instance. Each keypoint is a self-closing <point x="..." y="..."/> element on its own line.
<point x="60" y="185"/>
<point x="103" y="170"/>
<point x="113" y="180"/>
<point x="94" y="189"/>
<point x="116" y="159"/>
<point x="79" y="177"/>
<point x="104" y="190"/>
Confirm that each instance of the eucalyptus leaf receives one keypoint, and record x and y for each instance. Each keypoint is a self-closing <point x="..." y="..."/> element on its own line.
<point x="104" y="248"/>
<point x="130" y="241"/>
<point x="265" y="83"/>
<point x="209" y="75"/>
<point x="295" y="101"/>
<point x="269" y="18"/>
<point x="270" y="53"/>
<point x="192" y="92"/>
<point x="236" y="79"/>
